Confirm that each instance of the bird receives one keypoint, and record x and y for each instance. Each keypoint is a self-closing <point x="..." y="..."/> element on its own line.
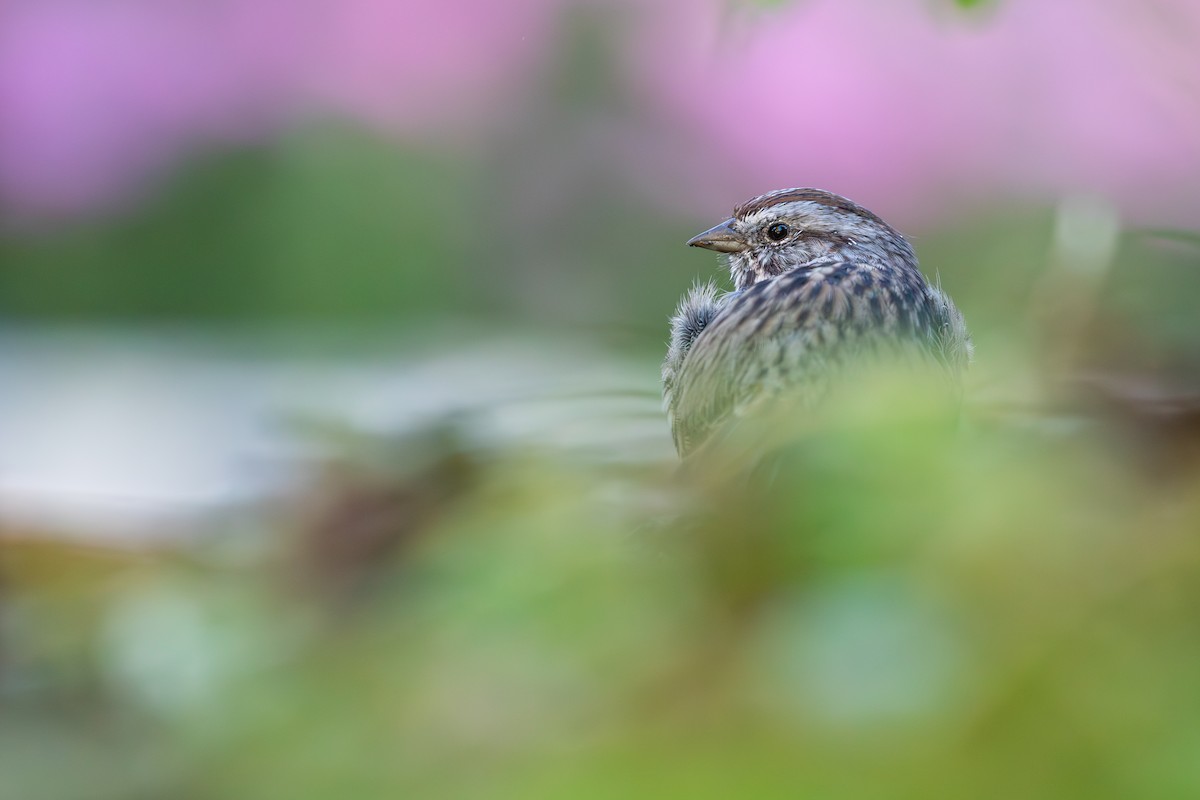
<point x="818" y="282"/>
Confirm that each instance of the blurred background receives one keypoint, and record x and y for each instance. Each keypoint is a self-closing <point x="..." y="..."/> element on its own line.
<point x="331" y="455"/>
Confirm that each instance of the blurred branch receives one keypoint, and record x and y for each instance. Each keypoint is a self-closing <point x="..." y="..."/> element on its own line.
<point x="1178" y="235"/>
<point x="1066" y="298"/>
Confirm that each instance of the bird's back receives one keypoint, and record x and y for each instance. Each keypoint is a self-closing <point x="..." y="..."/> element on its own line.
<point x="785" y="338"/>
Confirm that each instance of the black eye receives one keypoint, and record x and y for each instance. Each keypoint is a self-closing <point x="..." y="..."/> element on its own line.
<point x="777" y="232"/>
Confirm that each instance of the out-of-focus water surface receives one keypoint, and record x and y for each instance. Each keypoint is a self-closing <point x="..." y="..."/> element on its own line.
<point x="332" y="460"/>
<point x="129" y="433"/>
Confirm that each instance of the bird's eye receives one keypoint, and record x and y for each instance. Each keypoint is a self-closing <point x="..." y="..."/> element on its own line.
<point x="777" y="232"/>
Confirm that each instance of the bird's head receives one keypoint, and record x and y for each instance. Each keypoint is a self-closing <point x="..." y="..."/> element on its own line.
<point x="789" y="228"/>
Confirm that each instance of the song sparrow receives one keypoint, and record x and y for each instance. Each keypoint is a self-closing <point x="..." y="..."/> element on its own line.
<point x="818" y="280"/>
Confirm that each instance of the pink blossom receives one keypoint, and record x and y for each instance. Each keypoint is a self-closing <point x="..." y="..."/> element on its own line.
<point x="911" y="110"/>
<point x="95" y="96"/>
<point x="910" y="107"/>
<point x="412" y="65"/>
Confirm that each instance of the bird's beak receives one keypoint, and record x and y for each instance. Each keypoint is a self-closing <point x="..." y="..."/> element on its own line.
<point x="721" y="238"/>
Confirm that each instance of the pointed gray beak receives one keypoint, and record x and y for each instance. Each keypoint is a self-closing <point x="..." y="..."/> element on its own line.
<point x="721" y="238"/>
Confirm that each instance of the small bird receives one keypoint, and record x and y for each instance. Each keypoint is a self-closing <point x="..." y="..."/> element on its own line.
<point x="818" y="281"/>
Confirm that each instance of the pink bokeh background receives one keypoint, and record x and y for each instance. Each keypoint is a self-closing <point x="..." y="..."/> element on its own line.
<point x="98" y="96"/>
<point x="909" y="105"/>
<point x="892" y="102"/>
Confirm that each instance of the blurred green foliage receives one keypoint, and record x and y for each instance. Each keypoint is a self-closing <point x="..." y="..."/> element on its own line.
<point x="322" y="224"/>
<point x="331" y="226"/>
<point x="904" y="610"/>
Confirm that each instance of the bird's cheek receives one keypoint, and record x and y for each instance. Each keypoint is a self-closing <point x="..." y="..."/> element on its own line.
<point x="770" y="263"/>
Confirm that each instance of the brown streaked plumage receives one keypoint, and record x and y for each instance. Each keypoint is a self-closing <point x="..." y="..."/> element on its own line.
<point x="818" y="281"/>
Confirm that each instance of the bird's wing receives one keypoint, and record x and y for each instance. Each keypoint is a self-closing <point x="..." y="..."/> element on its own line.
<point x="787" y="333"/>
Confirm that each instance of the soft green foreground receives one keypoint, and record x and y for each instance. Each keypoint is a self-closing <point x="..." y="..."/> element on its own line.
<point x="907" y="610"/>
